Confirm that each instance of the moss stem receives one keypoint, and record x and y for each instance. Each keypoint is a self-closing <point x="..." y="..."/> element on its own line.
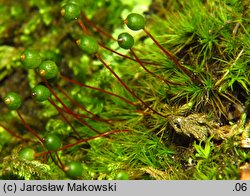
<point x="194" y="78"/>
<point x="126" y="87"/>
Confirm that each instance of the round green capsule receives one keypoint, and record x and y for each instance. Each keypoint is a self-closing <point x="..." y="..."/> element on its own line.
<point x="40" y="93"/>
<point x="52" y="142"/>
<point x="27" y="154"/>
<point x="125" y="40"/>
<point x="135" y="21"/>
<point x="88" y="44"/>
<point x="70" y="11"/>
<point x="13" y="100"/>
<point x="30" y="59"/>
<point x="122" y="175"/>
<point x="73" y="170"/>
<point x="48" y="69"/>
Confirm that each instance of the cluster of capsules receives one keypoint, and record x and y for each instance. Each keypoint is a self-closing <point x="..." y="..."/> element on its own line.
<point x="48" y="70"/>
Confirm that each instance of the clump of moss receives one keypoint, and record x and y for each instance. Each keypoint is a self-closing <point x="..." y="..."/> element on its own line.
<point x="185" y="115"/>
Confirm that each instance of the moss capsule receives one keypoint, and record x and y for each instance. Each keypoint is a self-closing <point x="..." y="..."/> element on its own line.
<point x="52" y="142"/>
<point x="88" y="44"/>
<point x="135" y="21"/>
<point x="70" y="11"/>
<point x="30" y="59"/>
<point x="13" y="100"/>
<point x="125" y="40"/>
<point x="48" y="69"/>
<point x="27" y="154"/>
<point x="73" y="170"/>
<point x="122" y="175"/>
<point x="40" y="93"/>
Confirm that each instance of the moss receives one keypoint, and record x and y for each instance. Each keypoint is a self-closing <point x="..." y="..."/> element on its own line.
<point x="178" y="110"/>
